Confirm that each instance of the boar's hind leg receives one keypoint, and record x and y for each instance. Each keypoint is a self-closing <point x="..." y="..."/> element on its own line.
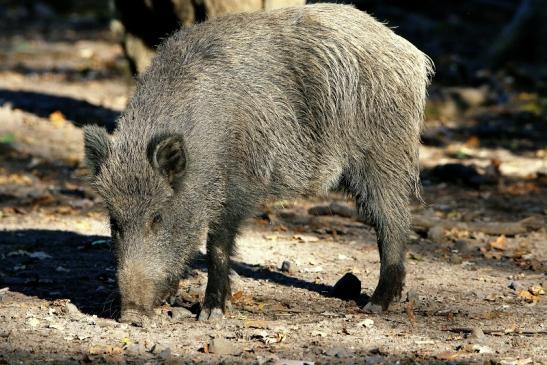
<point x="220" y="246"/>
<point x="382" y="200"/>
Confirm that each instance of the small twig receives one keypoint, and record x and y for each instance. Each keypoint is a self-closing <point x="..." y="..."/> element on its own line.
<point x="497" y="331"/>
<point x="409" y="309"/>
<point x="533" y="223"/>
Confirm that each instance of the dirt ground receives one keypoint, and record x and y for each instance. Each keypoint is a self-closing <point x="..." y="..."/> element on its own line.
<point x="473" y="294"/>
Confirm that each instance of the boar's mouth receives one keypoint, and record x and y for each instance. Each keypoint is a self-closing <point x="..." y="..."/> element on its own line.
<point x="141" y="292"/>
<point x="138" y="315"/>
<point x="134" y="317"/>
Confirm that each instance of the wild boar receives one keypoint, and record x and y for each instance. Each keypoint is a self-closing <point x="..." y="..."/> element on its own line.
<point x="247" y="108"/>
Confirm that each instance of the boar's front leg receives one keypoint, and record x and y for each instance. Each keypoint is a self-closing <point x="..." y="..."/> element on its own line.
<point x="220" y="246"/>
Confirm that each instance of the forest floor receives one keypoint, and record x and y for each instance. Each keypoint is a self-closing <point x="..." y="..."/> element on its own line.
<point x="476" y="260"/>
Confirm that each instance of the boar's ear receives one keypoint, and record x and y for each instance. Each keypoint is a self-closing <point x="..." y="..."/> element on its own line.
<point x="96" y="147"/>
<point x="167" y="155"/>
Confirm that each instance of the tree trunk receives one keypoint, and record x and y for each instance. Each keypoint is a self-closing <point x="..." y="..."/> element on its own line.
<point x="524" y="38"/>
<point x="145" y="23"/>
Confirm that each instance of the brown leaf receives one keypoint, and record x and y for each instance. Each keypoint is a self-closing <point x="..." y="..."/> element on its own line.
<point x="519" y="188"/>
<point x="409" y="309"/>
<point x="43" y="200"/>
<point x="15" y="179"/>
<point x="528" y="297"/>
<point x="237" y="296"/>
<point x="7" y="211"/>
<point x="536" y="290"/>
<point x="473" y="142"/>
<point x="499" y="243"/>
<point x="240" y="298"/>
<point x="496" y="255"/>
<point x="57" y="119"/>
<point x="280" y="228"/>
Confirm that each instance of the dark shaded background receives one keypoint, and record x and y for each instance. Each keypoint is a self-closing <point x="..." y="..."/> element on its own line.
<point x="458" y="35"/>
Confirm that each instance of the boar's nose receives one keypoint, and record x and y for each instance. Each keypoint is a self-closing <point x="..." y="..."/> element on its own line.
<point x="134" y="317"/>
<point x="138" y="287"/>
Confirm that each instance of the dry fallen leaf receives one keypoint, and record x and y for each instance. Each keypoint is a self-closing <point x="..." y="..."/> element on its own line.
<point x="237" y="296"/>
<point x="280" y="228"/>
<point x="499" y="243"/>
<point x="519" y="188"/>
<point x="57" y="119"/>
<point x="15" y="179"/>
<point x="409" y="309"/>
<point x="240" y="298"/>
<point x="528" y="297"/>
<point x="473" y="142"/>
<point x="536" y="290"/>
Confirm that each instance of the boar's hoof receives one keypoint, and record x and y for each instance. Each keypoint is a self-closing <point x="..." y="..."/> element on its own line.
<point x="372" y="308"/>
<point x="134" y="318"/>
<point x="210" y="314"/>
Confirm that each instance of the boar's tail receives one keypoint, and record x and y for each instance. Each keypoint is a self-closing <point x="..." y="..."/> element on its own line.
<point x="427" y="72"/>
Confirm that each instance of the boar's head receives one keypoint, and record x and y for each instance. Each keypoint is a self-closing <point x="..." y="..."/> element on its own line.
<point x="155" y="218"/>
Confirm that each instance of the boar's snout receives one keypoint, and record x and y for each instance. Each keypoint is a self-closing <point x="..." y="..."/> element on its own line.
<point x="140" y="290"/>
<point x="134" y="317"/>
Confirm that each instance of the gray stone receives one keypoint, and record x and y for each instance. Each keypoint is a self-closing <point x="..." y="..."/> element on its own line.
<point x="436" y="234"/>
<point x="179" y="313"/>
<point x="477" y="333"/>
<point x="287" y="267"/>
<point x="515" y="285"/>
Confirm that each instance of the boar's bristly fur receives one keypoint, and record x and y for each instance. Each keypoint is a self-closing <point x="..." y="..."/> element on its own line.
<point x="246" y="108"/>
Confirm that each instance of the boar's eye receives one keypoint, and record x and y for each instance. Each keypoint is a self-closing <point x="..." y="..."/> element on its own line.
<point x="115" y="228"/>
<point x="156" y="219"/>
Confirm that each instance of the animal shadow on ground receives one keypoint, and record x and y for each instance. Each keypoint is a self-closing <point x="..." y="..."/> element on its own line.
<point x="55" y="264"/>
<point x="43" y="105"/>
